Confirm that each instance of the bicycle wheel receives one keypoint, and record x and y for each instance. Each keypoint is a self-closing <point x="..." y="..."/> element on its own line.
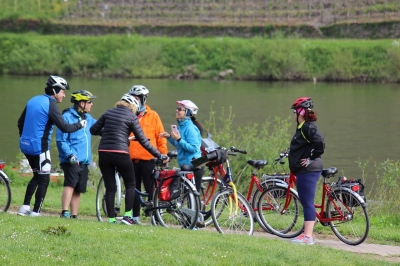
<point x="206" y="195"/>
<point x="286" y="223"/>
<point x="354" y="229"/>
<point x="256" y="198"/>
<point x="101" y="209"/>
<point x="229" y="220"/>
<point x="5" y="194"/>
<point x="181" y="212"/>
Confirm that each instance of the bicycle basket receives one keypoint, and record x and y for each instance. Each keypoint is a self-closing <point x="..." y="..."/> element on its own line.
<point x="169" y="182"/>
<point x="355" y="185"/>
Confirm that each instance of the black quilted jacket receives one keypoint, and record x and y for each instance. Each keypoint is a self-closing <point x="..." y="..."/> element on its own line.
<point x="116" y="125"/>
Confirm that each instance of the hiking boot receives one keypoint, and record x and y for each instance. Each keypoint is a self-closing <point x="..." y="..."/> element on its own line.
<point x="127" y="220"/>
<point x="35" y="214"/>
<point x="65" y="215"/>
<point x="304" y="240"/>
<point x="24" y="210"/>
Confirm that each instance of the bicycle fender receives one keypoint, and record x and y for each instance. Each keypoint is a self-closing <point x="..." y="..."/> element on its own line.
<point x="271" y="182"/>
<point x="363" y="203"/>
<point x="190" y="183"/>
<point x="4" y="175"/>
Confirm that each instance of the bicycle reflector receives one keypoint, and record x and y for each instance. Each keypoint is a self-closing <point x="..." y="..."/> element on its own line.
<point x="190" y="176"/>
<point x="2" y="165"/>
<point x="355" y="188"/>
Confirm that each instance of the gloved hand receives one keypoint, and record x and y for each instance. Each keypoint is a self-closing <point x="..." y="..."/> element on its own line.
<point x="73" y="159"/>
<point x="83" y="123"/>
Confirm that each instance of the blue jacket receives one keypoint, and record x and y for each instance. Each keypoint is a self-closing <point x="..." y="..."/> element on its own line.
<point x="189" y="146"/>
<point x="36" y="124"/>
<point x="78" y="142"/>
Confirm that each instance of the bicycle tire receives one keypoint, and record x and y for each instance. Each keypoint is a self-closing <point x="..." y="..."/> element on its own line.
<point x="207" y="182"/>
<point x="287" y="224"/>
<point x="181" y="212"/>
<point x="5" y="192"/>
<point x="354" y="230"/>
<point x="227" y="222"/>
<point x="101" y="210"/>
<point x="255" y="198"/>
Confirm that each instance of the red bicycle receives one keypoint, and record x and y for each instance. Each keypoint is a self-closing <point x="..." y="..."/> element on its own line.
<point x="341" y="208"/>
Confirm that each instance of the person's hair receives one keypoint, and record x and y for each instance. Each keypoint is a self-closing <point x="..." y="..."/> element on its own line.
<point x="125" y="103"/>
<point x="310" y="116"/>
<point x="49" y="90"/>
<point x="198" y="125"/>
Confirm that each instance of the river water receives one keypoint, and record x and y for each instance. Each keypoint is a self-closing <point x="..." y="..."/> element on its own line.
<point x="358" y="120"/>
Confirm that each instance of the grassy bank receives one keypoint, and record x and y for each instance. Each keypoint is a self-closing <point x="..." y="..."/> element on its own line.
<point x="133" y="56"/>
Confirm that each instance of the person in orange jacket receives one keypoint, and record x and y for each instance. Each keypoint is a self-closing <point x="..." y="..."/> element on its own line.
<point x="152" y="127"/>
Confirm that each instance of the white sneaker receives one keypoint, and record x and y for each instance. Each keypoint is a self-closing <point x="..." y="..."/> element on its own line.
<point x="24" y="210"/>
<point x="35" y="214"/>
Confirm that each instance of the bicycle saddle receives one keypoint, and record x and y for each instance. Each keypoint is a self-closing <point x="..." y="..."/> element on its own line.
<point x="187" y="167"/>
<point x="329" y="171"/>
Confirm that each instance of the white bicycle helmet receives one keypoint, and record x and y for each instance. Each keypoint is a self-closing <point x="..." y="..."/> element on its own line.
<point x="189" y="105"/>
<point x="132" y="100"/>
<point x="141" y="91"/>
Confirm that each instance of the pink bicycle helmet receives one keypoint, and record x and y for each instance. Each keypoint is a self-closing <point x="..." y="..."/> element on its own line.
<point x="189" y="105"/>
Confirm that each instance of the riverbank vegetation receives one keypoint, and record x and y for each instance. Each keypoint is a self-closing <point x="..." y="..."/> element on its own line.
<point x="258" y="58"/>
<point x="262" y="141"/>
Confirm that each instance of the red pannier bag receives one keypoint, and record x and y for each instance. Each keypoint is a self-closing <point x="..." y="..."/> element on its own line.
<point x="169" y="182"/>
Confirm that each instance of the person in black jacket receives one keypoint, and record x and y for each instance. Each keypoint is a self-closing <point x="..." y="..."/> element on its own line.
<point x="116" y="124"/>
<point x="305" y="162"/>
<point x="35" y="127"/>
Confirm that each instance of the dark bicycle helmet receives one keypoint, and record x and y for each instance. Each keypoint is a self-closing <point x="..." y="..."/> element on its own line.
<point x="302" y="102"/>
<point x="81" y="95"/>
<point x="57" y="82"/>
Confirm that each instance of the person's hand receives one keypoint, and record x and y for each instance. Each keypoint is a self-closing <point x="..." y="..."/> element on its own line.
<point x="73" y="159"/>
<point x="164" y="158"/>
<point x="164" y="135"/>
<point x="305" y="162"/>
<point x="83" y="123"/>
<point x="175" y="135"/>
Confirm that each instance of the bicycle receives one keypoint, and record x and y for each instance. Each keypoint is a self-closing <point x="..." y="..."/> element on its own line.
<point x="230" y="211"/>
<point x="5" y="190"/>
<point x="180" y="211"/>
<point x="342" y="209"/>
<point x="256" y="186"/>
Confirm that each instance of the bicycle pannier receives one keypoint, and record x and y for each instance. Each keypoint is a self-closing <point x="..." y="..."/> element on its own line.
<point x="169" y="182"/>
<point x="355" y="185"/>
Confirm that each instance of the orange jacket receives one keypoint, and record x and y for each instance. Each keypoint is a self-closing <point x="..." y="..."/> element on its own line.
<point x="152" y="127"/>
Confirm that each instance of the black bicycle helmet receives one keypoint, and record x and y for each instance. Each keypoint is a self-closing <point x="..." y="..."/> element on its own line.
<point x="57" y="82"/>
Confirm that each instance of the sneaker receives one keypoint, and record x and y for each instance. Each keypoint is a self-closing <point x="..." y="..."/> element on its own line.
<point x="136" y="221"/>
<point x="304" y="240"/>
<point x="24" y="210"/>
<point x="65" y="215"/>
<point x="127" y="220"/>
<point x="35" y="214"/>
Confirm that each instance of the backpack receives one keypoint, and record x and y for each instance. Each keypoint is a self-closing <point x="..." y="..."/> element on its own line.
<point x="169" y="182"/>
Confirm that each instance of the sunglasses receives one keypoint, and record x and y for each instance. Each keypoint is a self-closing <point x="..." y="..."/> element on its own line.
<point x="89" y="102"/>
<point x="180" y="109"/>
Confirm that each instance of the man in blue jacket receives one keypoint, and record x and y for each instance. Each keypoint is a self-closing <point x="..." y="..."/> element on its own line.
<point x="35" y="126"/>
<point x="75" y="152"/>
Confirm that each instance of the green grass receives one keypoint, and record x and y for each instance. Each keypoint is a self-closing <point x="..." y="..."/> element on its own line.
<point x="54" y="241"/>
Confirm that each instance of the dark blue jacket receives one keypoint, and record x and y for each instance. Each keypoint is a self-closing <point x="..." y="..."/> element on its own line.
<point x="36" y="124"/>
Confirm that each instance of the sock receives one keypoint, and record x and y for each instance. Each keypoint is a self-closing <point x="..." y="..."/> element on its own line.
<point x="129" y="213"/>
<point x="64" y="211"/>
<point x="112" y="220"/>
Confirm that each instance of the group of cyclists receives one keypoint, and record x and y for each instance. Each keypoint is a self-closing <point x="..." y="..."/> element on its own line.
<point x="132" y="116"/>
